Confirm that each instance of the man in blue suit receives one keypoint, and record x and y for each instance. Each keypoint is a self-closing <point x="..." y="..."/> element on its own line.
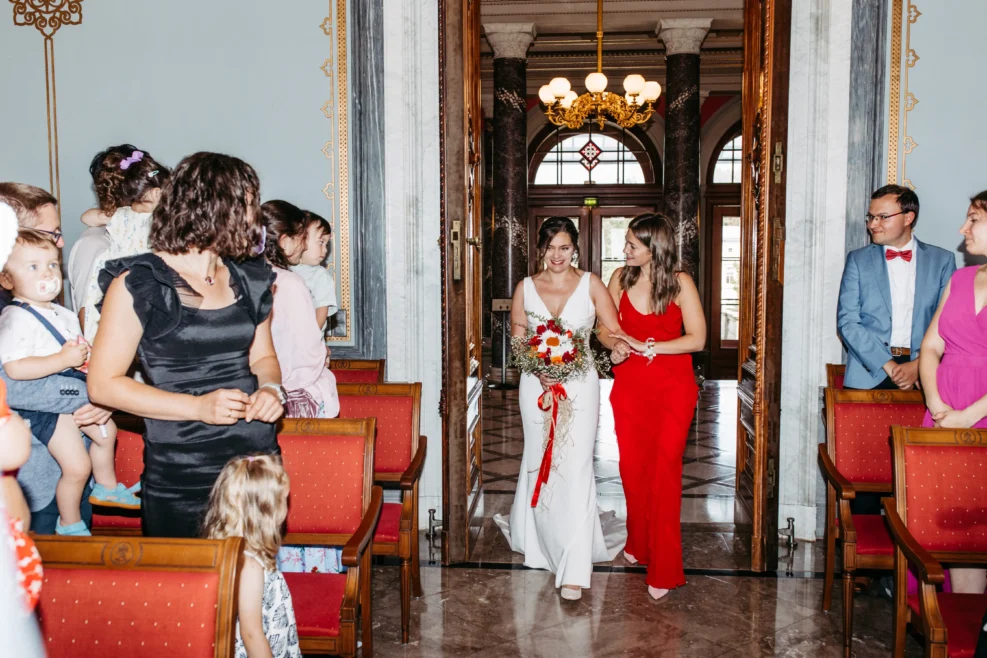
<point x="888" y="295"/>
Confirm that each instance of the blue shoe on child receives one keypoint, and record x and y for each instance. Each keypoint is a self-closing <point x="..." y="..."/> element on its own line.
<point x="121" y="496"/>
<point x="77" y="529"/>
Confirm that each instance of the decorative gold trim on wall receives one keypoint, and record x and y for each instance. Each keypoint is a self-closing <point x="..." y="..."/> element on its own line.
<point x="911" y="58"/>
<point x="894" y="95"/>
<point x="337" y="152"/>
<point x="47" y="16"/>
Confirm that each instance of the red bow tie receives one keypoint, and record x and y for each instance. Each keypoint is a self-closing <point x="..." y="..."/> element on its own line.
<point x="906" y="256"/>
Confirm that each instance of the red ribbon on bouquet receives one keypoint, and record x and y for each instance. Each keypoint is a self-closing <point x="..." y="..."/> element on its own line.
<point x="550" y="397"/>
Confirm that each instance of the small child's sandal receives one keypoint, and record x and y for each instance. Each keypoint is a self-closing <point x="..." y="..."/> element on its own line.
<point x="121" y="496"/>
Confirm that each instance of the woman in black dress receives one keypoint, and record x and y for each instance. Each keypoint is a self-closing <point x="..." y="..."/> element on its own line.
<point x="197" y="313"/>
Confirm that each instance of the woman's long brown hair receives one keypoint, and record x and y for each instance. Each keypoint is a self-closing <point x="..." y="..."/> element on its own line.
<point x="655" y="231"/>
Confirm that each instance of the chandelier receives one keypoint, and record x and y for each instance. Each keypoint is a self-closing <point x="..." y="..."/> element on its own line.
<point x="564" y="107"/>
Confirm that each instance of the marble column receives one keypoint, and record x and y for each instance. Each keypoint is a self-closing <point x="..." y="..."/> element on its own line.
<point x="510" y="43"/>
<point x="682" y="38"/>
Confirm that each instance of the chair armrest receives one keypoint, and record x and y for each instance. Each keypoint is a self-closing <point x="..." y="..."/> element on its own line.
<point x="358" y="543"/>
<point x="844" y="488"/>
<point x="414" y="470"/>
<point x="929" y="569"/>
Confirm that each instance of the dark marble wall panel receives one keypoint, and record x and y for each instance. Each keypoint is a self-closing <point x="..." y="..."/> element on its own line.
<point x="367" y="228"/>
<point x="865" y="156"/>
<point x="682" y="128"/>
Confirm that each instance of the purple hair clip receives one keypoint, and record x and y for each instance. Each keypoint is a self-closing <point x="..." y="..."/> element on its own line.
<point x="134" y="158"/>
<point x="251" y="458"/>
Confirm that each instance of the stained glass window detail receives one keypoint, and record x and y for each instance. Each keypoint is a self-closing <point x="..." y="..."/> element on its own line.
<point x="585" y="158"/>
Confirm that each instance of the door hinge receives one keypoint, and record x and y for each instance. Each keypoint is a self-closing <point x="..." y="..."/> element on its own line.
<point x="772" y="478"/>
<point x="778" y="162"/>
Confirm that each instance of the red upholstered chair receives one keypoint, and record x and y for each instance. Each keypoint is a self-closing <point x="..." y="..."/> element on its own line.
<point x="938" y="515"/>
<point x="834" y="375"/>
<point x="332" y="503"/>
<point x="857" y="458"/>
<point x="398" y="464"/>
<point x="136" y="596"/>
<point x="358" y="371"/>
<point x="129" y="468"/>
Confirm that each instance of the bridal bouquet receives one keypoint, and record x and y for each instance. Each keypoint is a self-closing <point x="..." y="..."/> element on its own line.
<point x="557" y="352"/>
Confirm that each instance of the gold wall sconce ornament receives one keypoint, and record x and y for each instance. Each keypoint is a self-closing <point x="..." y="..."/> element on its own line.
<point x="564" y="107"/>
<point x="48" y="16"/>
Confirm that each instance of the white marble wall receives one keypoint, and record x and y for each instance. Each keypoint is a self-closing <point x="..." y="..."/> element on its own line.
<point x="816" y="165"/>
<point x="411" y="173"/>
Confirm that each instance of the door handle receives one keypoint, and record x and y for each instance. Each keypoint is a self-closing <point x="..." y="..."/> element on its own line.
<point x="457" y="256"/>
<point x="476" y="242"/>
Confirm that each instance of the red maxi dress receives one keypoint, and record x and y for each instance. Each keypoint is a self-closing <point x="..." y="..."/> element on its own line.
<point x="653" y="405"/>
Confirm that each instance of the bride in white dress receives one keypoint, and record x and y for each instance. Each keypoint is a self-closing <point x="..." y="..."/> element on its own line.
<point x="563" y="532"/>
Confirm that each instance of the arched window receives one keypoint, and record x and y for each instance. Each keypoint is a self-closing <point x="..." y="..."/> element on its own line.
<point x="610" y="157"/>
<point x="728" y="164"/>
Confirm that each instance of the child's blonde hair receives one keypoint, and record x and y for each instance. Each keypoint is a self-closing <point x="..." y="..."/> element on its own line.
<point x="250" y="500"/>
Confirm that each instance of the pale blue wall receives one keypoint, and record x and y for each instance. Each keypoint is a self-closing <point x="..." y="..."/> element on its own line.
<point x="237" y="76"/>
<point x="949" y="163"/>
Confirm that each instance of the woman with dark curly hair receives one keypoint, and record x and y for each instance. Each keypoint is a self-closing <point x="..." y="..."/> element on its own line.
<point x="196" y="311"/>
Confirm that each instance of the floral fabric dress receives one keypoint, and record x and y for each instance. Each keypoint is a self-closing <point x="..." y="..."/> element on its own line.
<point x="278" y="618"/>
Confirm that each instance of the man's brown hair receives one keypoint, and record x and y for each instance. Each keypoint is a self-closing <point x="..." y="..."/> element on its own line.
<point x="25" y="200"/>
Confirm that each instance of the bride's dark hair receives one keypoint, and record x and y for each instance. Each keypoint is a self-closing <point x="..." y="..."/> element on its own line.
<point x="655" y="231"/>
<point x="552" y="227"/>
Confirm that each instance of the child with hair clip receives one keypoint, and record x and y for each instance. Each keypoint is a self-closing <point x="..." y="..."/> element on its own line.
<point x="39" y="338"/>
<point x="128" y="183"/>
<point x="310" y="266"/>
<point x="250" y="500"/>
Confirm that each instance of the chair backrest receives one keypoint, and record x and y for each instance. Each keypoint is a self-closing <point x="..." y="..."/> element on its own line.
<point x="358" y="371"/>
<point x="397" y="408"/>
<point x="330" y="465"/>
<point x="858" y="429"/>
<point x="129" y="468"/>
<point x="135" y="596"/>
<point x="834" y="375"/>
<point x="940" y="490"/>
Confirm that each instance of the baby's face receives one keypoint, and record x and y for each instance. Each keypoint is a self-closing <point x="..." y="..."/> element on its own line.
<point x="33" y="274"/>
<point x="316" y="246"/>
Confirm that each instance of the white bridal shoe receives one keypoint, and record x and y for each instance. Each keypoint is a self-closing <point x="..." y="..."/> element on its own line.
<point x="570" y="594"/>
<point x="657" y="594"/>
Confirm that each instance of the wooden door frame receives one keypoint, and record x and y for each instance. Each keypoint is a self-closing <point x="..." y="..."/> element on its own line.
<point x="716" y="196"/>
<point x="767" y="43"/>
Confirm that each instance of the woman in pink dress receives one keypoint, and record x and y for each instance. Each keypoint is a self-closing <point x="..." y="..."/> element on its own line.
<point x="953" y="358"/>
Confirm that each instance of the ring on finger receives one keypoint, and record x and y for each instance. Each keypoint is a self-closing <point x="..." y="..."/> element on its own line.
<point x="229" y="413"/>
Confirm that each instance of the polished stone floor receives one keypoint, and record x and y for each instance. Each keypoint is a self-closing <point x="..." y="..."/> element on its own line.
<point x="506" y="612"/>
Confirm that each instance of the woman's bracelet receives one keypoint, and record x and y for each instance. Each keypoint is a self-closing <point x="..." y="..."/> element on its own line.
<point x="650" y="351"/>
<point x="278" y="390"/>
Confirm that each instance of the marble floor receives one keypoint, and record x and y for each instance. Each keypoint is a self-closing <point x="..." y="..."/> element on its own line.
<point x="715" y="528"/>
<point x="505" y="612"/>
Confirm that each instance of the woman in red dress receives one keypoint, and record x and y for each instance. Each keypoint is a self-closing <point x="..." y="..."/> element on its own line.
<point x="654" y="394"/>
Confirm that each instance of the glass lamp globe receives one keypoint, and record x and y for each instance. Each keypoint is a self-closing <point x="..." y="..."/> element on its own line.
<point x="634" y="84"/>
<point x="652" y="90"/>
<point x="545" y="95"/>
<point x="596" y="82"/>
<point x="569" y="98"/>
<point x="560" y="87"/>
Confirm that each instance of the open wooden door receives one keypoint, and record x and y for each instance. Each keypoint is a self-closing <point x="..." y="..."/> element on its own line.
<point x="461" y="135"/>
<point x="767" y="33"/>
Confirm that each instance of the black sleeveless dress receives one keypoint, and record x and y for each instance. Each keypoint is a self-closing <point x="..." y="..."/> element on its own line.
<point x="189" y="350"/>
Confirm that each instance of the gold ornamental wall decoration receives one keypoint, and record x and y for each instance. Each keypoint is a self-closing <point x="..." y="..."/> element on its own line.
<point x="47" y="17"/>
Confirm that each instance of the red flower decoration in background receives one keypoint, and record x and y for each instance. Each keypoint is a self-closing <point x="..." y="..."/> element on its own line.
<point x="535" y="341"/>
<point x="541" y="329"/>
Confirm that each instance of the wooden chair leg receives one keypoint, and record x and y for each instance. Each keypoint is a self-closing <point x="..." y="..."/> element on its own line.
<point x="847" y="612"/>
<point x="405" y="599"/>
<point x="900" y="606"/>
<point x="416" y="573"/>
<point x="830" y="559"/>
<point x="366" y="616"/>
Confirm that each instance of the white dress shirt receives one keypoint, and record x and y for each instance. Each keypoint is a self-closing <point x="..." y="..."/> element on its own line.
<point x="901" y="276"/>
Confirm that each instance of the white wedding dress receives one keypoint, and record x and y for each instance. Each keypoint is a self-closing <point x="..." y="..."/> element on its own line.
<point x="564" y="533"/>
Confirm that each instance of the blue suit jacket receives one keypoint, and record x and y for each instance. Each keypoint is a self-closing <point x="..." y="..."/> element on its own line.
<point x="863" y="315"/>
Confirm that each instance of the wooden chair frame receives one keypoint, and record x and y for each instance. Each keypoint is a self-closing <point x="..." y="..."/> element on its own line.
<point x="357" y="549"/>
<point x="360" y="364"/>
<point x="839" y="493"/>
<point x="407" y="545"/>
<point x="908" y="551"/>
<point x="222" y="556"/>
<point x="833" y="370"/>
